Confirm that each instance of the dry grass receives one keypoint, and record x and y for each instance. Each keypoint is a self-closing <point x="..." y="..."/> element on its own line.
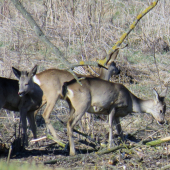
<point x="87" y="30"/>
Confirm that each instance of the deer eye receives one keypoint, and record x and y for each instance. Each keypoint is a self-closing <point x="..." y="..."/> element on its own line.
<point x="161" y="111"/>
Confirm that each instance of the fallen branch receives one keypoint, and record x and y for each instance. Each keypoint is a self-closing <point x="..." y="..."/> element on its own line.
<point x="113" y="149"/>
<point x="9" y="154"/>
<point x="50" y="137"/>
<point x="38" y="139"/>
<point x="80" y="156"/>
<point x="157" y="142"/>
<point x="57" y="141"/>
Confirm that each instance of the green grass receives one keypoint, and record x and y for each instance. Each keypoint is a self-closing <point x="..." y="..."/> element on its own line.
<point x="142" y="91"/>
<point x="136" y="57"/>
<point x="21" y="166"/>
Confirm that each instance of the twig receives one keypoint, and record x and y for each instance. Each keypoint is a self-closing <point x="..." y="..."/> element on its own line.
<point x="106" y="151"/>
<point x="113" y="149"/>
<point x="38" y="139"/>
<point x="50" y="137"/>
<point x="155" y="132"/>
<point x="9" y="154"/>
<point x="157" y="142"/>
<point x="56" y="140"/>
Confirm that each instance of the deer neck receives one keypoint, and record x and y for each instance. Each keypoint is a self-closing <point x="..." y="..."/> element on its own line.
<point x="141" y="106"/>
<point x="105" y="74"/>
<point x="34" y="89"/>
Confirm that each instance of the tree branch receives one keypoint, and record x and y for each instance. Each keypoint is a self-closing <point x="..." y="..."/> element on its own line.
<point x="132" y="26"/>
<point x="69" y="66"/>
<point x="39" y="32"/>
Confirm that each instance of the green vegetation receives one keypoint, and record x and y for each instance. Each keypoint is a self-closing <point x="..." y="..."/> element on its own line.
<point x="21" y="166"/>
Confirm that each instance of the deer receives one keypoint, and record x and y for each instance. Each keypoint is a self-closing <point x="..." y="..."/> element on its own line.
<point x="50" y="82"/>
<point x="30" y="96"/>
<point x="9" y="98"/>
<point x="98" y="96"/>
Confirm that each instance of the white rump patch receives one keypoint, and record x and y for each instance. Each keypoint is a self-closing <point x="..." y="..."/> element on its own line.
<point x="36" y="80"/>
<point x="70" y="93"/>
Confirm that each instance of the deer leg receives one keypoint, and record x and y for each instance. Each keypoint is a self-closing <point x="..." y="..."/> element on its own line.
<point x="70" y="132"/>
<point x="74" y="118"/>
<point x="24" y="126"/>
<point x="31" y="119"/>
<point x="118" y="128"/>
<point x="46" y="115"/>
<point x="111" y="116"/>
<point x="120" y="112"/>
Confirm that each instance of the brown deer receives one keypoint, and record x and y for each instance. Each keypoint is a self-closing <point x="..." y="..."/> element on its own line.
<point x="102" y="97"/>
<point x="51" y="82"/>
<point x="30" y="99"/>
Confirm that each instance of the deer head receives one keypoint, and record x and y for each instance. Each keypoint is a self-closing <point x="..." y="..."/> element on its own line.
<point x="158" y="108"/>
<point x="25" y="80"/>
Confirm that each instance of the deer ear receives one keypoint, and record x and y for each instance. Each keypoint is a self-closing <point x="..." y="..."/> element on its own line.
<point x="33" y="71"/>
<point x="156" y="94"/>
<point x="164" y="92"/>
<point x="160" y="97"/>
<point x="112" y="56"/>
<point x="16" y="72"/>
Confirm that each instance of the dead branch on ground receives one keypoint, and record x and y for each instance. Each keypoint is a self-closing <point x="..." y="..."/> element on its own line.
<point x="158" y="141"/>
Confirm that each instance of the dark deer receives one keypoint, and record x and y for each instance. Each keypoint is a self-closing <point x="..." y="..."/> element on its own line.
<point x="30" y="99"/>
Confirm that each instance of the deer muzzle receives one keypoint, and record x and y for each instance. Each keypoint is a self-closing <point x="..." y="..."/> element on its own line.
<point x="161" y="122"/>
<point x="21" y="94"/>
